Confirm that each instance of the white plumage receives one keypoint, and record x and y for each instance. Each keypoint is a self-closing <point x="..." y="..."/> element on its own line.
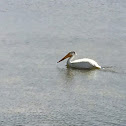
<point x="80" y="63"/>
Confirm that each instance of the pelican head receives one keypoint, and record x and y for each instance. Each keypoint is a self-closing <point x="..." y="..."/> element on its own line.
<point x="70" y="54"/>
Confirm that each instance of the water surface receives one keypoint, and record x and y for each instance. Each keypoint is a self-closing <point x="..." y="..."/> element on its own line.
<point x="35" y="90"/>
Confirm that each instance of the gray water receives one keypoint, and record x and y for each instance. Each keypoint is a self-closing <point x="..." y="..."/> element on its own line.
<point x="35" y="90"/>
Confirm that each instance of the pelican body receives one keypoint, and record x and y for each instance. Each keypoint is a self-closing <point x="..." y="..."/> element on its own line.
<point x="84" y="63"/>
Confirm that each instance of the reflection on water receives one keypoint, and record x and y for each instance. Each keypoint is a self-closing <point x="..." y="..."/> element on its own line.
<point x="34" y="34"/>
<point x="70" y="73"/>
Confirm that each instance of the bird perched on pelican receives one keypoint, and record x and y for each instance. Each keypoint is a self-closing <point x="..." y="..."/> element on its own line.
<point x="84" y="63"/>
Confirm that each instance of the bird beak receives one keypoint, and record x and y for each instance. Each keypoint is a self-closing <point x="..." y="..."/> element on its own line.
<point x="68" y="55"/>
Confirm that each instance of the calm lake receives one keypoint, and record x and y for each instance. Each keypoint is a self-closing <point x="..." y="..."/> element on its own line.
<point x="35" y="90"/>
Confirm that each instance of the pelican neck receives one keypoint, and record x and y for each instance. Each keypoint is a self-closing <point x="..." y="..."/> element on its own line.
<point x="70" y="59"/>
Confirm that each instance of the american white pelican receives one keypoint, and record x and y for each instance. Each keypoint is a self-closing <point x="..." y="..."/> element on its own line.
<point x="80" y="63"/>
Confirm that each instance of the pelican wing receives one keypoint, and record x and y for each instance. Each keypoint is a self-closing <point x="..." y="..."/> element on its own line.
<point x="84" y="63"/>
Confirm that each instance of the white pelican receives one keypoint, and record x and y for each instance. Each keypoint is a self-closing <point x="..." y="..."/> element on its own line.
<point x="80" y="63"/>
